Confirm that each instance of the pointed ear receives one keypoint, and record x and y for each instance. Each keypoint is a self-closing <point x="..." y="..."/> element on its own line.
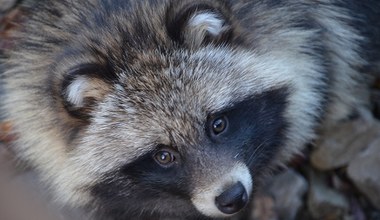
<point x="83" y="87"/>
<point x="196" y="25"/>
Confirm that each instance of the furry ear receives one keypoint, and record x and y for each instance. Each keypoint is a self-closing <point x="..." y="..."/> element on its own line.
<point x="203" y="26"/>
<point x="199" y="24"/>
<point x="83" y="87"/>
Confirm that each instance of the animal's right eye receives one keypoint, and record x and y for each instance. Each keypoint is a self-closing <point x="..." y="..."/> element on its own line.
<point x="219" y="125"/>
<point x="164" y="158"/>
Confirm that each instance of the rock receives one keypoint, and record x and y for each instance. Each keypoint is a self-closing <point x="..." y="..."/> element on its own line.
<point x="325" y="202"/>
<point x="263" y="207"/>
<point x="357" y="212"/>
<point x="342" y="143"/>
<point x="288" y="190"/>
<point x="280" y="197"/>
<point x="364" y="171"/>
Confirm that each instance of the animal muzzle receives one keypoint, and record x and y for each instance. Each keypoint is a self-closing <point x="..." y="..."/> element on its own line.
<point x="225" y="195"/>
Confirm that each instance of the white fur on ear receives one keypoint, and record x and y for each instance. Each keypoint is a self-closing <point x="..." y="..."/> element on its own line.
<point x="75" y="91"/>
<point x="83" y="87"/>
<point x="210" y="22"/>
<point x="203" y="24"/>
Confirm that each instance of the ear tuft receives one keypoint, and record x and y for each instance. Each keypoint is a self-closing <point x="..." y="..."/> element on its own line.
<point x="204" y="25"/>
<point x="83" y="88"/>
<point x="199" y="24"/>
<point x="75" y="91"/>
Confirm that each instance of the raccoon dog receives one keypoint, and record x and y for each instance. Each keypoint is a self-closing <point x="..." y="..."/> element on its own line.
<point x="176" y="108"/>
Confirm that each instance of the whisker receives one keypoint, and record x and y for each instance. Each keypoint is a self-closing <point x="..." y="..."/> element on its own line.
<point x="257" y="152"/>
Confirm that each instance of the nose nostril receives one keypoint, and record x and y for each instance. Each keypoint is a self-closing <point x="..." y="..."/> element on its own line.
<point x="229" y="206"/>
<point x="233" y="199"/>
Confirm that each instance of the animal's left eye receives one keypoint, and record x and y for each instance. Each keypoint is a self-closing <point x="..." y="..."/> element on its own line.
<point x="164" y="158"/>
<point x="219" y="125"/>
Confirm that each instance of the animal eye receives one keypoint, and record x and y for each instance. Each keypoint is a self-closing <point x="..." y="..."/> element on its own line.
<point x="164" y="158"/>
<point x="219" y="125"/>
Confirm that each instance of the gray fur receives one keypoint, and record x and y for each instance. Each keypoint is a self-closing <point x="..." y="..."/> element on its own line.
<point x="164" y="87"/>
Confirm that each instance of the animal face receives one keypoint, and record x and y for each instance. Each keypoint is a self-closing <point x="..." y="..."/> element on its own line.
<point x="179" y="134"/>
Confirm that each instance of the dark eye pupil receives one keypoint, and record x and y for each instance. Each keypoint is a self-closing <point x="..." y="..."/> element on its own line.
<point x="164" y="157"/>
<point x="219" y="125"/>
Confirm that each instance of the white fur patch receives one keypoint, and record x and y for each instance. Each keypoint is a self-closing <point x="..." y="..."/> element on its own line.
<point x="202" y="25"/>
<point x="83" y="87"/>
<point x="75" y="91"/>
<point x="207" y="21"/>
<point x="204" y="198"/>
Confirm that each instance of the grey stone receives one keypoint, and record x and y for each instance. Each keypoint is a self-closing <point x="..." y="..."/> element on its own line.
<point x="263" y="207"/>
<point x="287" y="190"/>
<point x="341" y="144"/>
<point x="325" y="202"/>
<point x="364" y="171"/>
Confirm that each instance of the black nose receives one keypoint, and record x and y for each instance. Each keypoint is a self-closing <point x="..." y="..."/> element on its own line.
<point x="233" y="199"/>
